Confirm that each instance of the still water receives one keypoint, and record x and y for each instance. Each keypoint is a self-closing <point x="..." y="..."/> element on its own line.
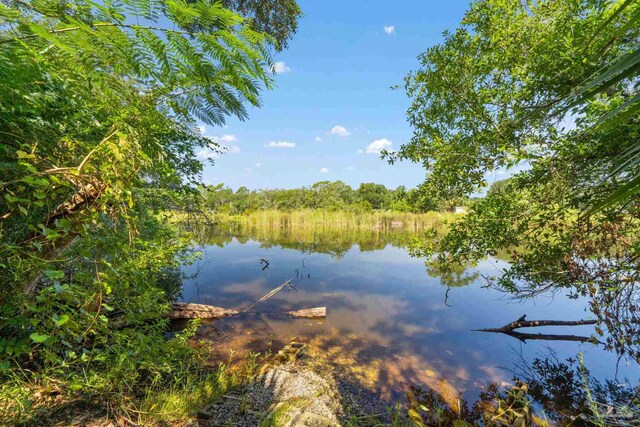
<point x="389" y="322"/>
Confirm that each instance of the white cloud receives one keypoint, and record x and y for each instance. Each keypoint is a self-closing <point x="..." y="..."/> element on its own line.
<point x="223" y="138"/>
<point x="280" y="144"/>
<point x="324" y="170"/>
<point x="207" y="154"/>
<point x="378" y="145"/>
<point x="202" y="129"/>
<point x="318" y="139"/>
<point x="228" y="138"/>
<point x="389" y="29"/>
<point x="340" y="131"/>
<point x="234" y="149"/>
<point x="280" y="67"/>
<point x="258" y="164"/>
<point x="360" y="151"/>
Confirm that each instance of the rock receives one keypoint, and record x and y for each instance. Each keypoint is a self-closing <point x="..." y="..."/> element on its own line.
<point x="291" y="352"/>
<point x="296" y="392"/>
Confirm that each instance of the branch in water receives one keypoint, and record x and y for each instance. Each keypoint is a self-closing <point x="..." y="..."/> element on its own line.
<point x="534" y="323"/>
<point x="509" y="329"/>
<point x="549" y="337"/>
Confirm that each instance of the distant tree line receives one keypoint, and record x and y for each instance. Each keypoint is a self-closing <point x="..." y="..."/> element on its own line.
<point x="330" y="195"/>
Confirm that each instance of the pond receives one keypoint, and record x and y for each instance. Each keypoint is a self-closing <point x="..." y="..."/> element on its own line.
<point x="390" y="322"/>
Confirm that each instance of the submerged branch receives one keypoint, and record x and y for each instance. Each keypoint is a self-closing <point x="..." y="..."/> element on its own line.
<point x="549" y="337"/>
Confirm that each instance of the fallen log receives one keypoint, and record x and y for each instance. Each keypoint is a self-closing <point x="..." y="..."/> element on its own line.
<point x="309" y="313"/>
<point x="181" y="310"/>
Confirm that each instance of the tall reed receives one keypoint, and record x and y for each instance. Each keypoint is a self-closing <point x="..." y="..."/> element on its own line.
<point x="308" y="218"/>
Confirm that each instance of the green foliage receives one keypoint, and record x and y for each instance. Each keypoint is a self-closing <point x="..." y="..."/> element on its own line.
<point x="551" y="87"/>
<point x="326" y="195"/>
<point x="277" y="18"/>
<point x="624" y="177"/>
<point x="100" y="103"/>
<point x="95" y="107"/>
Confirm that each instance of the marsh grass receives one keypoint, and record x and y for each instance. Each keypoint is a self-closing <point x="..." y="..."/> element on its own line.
<point x="332" y="233"/>
<point x="318" y="219"/>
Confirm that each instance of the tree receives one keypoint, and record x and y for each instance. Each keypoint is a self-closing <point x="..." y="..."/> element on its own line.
<point x="333" y="195"/>
<point x="100" y="102"/>
<point x="498" y="187"/>
<point x="507" y="89"/>
<point x="375" y="195"/>
<point x="278" y="18"/>
<point x="217" y="198"/>
<point x="96" y="106"/>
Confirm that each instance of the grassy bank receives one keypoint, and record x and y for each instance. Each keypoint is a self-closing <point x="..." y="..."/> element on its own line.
<point x="173" y="387"/>
<point x="332" y="232"/>
<point x="311" y="218"/>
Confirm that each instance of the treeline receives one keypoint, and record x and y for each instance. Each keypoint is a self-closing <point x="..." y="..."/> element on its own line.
<point x="329" y="195"/>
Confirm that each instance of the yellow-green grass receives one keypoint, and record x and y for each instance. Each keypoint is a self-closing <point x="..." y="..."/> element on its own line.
<point x="308" y="218"/>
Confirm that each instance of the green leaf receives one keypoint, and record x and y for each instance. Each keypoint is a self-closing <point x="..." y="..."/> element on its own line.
<point x="623" y="111"/>
<point x="59" y="321"/>
<point x="613" y="16"/>
<point x="24" y="155"/>
<point x="38" y="338"/>
<point x="607" y="76"/>
<point x="54" y="274"/>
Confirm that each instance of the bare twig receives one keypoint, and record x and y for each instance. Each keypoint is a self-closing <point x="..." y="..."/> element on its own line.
<point x="269" y="295"/>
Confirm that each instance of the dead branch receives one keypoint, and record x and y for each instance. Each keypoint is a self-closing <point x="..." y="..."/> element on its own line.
<point x="270" y="294"/>
<point x="509" y="329"/>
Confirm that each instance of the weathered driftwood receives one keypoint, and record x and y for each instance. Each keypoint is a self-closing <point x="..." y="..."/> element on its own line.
<point x="181" y="310"/>
<point x="310" y="313"/>
<point x="509" y="329"/>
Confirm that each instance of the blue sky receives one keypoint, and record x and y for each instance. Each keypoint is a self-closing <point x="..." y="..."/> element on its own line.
<point x="333" y="98"/>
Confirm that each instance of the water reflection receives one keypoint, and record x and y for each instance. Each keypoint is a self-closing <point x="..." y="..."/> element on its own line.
<point x="323" y="240"/>
<point x="562" y="392"/>
<point x="388" y="325"/>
